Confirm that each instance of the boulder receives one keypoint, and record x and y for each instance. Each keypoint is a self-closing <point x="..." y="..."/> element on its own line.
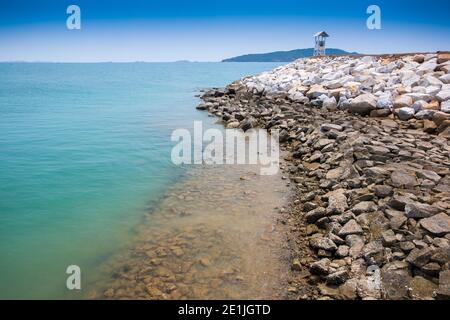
<point x="430" y="175"/>
<point x="403" y="178"/>
<point x="445" y="78"/>
<point x="320" y="267"/>
<point x="337" y="201"/>
<point x="443" y="95"/>
<point x="385" y="103"/>
<point x="395" y="281"/>
<point x="419" y="257"/>
<point x="373" y="253"/>
<point x="383" y="191"/>
<point x="405" y="113"/>
<point x="363" y="104"/>
<point x="403" y="101"/>
<point x="351" y="227"/>
<point x="330" y="103"/>
<point x="323" y="243"/>
<point x="420" y="210"/>
<point x="422" y="289"/>
<point x="445" y="106"/>
<point x="439" y="117"/>
<point x="364" y="206"/>
<point x="316" y="91"/>
<point x="424" y="114"/>
<point x="315" y="214"/>
<point x="438" y="225"/>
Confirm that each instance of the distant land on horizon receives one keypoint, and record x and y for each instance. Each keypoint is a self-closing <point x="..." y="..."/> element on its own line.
<point x="283" y="56"/>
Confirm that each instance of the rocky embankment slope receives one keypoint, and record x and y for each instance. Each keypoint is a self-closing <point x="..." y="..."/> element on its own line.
<point x="369" y="156"/>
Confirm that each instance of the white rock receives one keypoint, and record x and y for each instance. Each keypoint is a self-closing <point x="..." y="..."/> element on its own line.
<point x="330" y="103"/>
<point x="410" y="79"/>
<point x="405" y="113"/>
<point x="427" y="67"/>
<point x="420" y="96"/>
<point x="432" y="90"/>
<point x="433" y="81"/>
<point x="445" y="106"/>
<point x="443" y="95"/>
<point x="430" y="56"/>
<point x="363" y="104"/>
<point x="445" y="78"/>
<point x="420" y="89"/>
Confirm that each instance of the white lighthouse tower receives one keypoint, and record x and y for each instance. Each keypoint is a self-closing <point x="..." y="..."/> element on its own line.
<point x="319" y="49"/>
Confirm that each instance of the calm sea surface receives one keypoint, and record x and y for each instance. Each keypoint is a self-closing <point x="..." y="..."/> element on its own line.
<point x="84" y="156"/>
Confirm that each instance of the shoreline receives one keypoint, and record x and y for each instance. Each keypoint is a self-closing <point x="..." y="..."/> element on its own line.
<point x="370" y="220"/>
<point x="217" y="234"/>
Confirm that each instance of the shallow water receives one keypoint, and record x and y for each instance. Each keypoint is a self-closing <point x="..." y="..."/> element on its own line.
<point x="85" y="155"/>
<point x="217" y="235"/>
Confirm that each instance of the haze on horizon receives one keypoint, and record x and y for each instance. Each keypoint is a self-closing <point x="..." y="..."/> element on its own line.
<point x="138" y="30"/>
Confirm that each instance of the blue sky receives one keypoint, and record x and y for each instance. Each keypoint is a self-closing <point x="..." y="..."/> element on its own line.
<point x="137" y="30"/>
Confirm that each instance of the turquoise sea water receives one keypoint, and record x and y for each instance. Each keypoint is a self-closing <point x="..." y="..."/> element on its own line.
<point x="84" y="155"/>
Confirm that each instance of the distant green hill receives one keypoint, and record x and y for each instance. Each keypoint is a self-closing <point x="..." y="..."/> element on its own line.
<point x="283" y="56"/>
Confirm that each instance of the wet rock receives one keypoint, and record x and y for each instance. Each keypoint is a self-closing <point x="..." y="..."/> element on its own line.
<point x="247" y="124"/>
<point x="233" y="125"/>
<point x="283" y="136"/>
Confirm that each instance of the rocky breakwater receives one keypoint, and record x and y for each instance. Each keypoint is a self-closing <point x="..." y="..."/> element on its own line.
<point x="371" y="218"/>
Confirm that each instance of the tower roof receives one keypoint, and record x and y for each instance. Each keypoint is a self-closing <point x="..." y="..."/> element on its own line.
<point x="321" y="33"/>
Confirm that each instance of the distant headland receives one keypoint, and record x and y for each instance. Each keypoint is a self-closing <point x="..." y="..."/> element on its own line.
<point x="283" y="56"/>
